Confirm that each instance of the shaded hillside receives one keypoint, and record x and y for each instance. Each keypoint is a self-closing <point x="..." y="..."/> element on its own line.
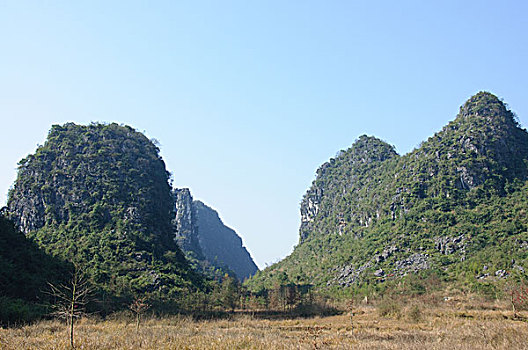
<point x="457" y="205"/>
<point x="25" y="272"/>
<point x="220" y="244"/>
<point x="99" y="195"/>
<point x="216" y="248"/>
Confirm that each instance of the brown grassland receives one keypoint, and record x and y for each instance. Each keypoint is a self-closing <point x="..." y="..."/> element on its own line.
<point x="448" y="325"/>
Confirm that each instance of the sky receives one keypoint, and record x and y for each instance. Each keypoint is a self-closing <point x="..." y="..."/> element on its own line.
<point x="248" y="98"/>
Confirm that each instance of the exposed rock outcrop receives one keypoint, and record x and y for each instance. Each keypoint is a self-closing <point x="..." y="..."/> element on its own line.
<point x="185" y="223"/>
<point x="202" y="235"/>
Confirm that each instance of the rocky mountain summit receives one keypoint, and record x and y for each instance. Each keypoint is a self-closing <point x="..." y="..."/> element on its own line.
<point x="205" y="239"/>
<point x="454" y="204"/>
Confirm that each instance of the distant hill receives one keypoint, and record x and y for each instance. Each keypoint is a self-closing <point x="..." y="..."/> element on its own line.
<point x="456" y="206"/>
<point x="99" y="195"/>
<point x="214" y="247"/>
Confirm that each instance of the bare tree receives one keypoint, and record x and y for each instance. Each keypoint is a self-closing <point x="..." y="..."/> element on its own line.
<point x="71" y="299"/>
<point x="139" y="306"/>
<point x="350" y="308"/>
<point x="517" y="293"/>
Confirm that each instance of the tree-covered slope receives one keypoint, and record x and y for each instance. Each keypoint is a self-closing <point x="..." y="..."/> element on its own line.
<point x="212" y="247"/>
<point x="99" y="195"/>
<point x="456" y="205"/>
<point x="25" y="272"/>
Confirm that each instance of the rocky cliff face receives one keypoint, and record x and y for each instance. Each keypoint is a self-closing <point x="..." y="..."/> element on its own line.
<point x="185" y="223"/>
<point x="484" y="146"/>
<point x="457" y="199"/>
<point x="350" y="173"/>
<point x="220" y="244"/>
<point x="204" y="238"/>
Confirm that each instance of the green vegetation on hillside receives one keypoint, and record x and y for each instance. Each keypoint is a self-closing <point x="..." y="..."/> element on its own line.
<point x="455" y="207"/>
<point x="25" y="272"/>
<point x="99" y="196"/>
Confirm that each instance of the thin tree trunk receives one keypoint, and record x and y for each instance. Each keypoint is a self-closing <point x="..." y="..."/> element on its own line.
<point x="71" y="331"/>
<point x="72" y="309"/>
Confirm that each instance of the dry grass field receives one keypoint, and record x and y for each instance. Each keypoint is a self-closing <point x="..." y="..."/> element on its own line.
<point x="451" y="326"/>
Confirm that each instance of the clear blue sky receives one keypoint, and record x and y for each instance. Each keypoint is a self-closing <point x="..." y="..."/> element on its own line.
<point x="248" y="98"/>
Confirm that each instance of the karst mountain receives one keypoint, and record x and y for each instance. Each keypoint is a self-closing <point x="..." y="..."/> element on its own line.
<point x="456" y="206"/>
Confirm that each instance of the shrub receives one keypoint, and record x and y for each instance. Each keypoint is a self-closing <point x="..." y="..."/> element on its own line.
<point x="389" y="308"/>
<point x="414" y="313"/>
<point x="18" y="311"/>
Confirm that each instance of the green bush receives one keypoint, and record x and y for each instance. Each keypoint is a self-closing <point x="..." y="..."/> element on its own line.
<point x="414" y="313"/>
<point x="389" y="308"/>
<point x="14" y="311"/>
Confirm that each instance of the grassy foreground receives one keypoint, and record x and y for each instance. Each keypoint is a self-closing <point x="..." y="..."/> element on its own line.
<point x="409" y="327"/>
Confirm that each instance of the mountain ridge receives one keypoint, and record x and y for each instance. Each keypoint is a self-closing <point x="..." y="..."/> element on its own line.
<point x="367" y="218"/>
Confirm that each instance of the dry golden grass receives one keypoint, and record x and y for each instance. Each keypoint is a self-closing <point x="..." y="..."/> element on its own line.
<point x="447" y="327"/>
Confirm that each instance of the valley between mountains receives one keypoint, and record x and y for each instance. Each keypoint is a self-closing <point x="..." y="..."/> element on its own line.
<point x="439" y="228"/>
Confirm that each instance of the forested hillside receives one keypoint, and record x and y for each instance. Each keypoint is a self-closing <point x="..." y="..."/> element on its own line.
<point x="25" y="272"/>
<point x="99" y="196"/>
<point x="456" y="207"/>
